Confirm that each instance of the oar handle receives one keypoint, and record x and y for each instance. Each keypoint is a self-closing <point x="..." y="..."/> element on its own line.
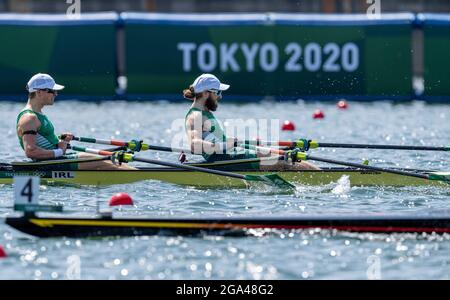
<point x="92" y="151"/>
<point x="263" y="150"/>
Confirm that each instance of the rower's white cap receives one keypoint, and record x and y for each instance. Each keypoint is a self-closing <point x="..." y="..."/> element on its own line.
<point x="42" y="81"/>
<point x="206" y="82"/>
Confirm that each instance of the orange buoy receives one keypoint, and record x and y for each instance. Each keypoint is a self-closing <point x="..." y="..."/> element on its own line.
<point x="120" y="199"/>
<point x="2" y="252"/>
<point x="342" y="104"/>
<point x="318" y="114"/>
<point x="288" y="126"/>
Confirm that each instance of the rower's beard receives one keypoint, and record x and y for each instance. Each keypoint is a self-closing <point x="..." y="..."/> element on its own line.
<point x="210" y="104"/>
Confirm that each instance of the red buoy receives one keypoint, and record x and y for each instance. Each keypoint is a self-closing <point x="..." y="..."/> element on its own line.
<point x="342" y="104"/>
<point x="120" y="199"/>
<point x="318" y="114"/>
<point x="2" y="252"/>
<point x="288" y="126"/>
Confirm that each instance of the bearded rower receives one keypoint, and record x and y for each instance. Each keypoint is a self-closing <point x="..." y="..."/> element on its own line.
<point x="37" y="135"/>
<point x="207" y="137"/>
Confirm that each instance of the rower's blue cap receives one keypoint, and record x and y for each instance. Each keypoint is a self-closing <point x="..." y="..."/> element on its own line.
<point x="42" y="81"/>
<point x="207" y="82"/>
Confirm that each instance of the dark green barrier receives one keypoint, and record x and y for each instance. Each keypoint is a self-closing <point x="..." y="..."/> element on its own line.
<point x="81" y="54"/>
<point x="286" y="56"/>
<point x="436" y="32"/>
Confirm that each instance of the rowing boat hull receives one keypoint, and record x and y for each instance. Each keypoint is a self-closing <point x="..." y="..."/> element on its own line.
<point x="236" y="226"/>
<point x="205" y="180"/>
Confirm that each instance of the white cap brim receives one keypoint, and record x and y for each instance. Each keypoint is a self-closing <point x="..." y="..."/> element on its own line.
<point x="57" y="87"/>
<point x="224" y="87"/>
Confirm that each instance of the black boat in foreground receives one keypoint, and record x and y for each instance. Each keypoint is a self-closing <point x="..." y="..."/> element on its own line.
<point x="106" y="225"/>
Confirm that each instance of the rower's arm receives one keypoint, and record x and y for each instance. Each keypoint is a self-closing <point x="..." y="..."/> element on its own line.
<point x="194" y="125"/>
<point x="30" y="123"/>
<point x="198" y="145"/>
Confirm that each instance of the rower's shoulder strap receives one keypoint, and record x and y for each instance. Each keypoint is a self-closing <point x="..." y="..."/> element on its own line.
<point x="190" y="111"/>
<point x="25" y="111"/>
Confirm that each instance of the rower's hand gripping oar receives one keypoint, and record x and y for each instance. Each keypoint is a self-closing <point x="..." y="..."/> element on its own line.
<point x="297" y="155"/>
<point x="121" y="156"/>
<point x="305" y="145"/>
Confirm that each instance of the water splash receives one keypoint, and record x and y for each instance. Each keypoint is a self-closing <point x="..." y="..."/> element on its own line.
<point x="343" y="186"/>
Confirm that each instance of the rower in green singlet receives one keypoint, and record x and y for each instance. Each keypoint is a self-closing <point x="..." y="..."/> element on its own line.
<point x="37" y="135"/>
<point x="207" y="137"/>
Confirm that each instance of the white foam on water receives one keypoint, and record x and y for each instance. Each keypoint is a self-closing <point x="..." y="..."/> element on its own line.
<point x="343" y="186"/>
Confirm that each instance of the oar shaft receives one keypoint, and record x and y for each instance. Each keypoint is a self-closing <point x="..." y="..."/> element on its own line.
<point x="304" y="156"/>
<point x="127" y="144"/>
<point x="100" y="141"/>
<point x="392" y="147"/>
<point x="168" y="149"/>
<point x="361" y="166"/>
<point x="144" y="146"/>
<point x="312" y="144"/>
<point x="269" y="143"/>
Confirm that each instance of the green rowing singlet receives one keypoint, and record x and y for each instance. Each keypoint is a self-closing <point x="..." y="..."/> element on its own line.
<point x="213" y="134"/>
<point x="46" y="137"/>
<point x="216" y="134"/>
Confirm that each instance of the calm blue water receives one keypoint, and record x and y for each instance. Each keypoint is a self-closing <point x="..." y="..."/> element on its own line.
<point x="285" y="255"/>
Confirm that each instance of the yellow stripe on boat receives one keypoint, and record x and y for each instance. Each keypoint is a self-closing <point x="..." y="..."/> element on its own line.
<point x="137" y="224"/>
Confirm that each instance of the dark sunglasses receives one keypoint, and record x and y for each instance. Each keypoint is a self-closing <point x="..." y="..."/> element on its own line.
<point x="216" y="92"/>
<point x="49" y="91"/>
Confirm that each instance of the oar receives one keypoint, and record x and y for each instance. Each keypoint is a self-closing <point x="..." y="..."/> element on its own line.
<point x="302" y="144"/>
<point x="441" y="176"/>
<point x="134" y="144"/>
<point x="271" y="179"/>
<point x="305" y="145"/>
